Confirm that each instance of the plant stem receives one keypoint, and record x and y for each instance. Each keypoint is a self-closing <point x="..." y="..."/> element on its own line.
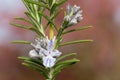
<point x="50" y="76"/>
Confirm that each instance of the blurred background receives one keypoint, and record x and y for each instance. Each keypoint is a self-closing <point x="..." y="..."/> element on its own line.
<point x="99" y="59"/>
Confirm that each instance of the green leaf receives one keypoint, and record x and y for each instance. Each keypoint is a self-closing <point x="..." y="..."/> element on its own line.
<point x="62" y="65"/>
<point x="49" y="20"/>
<point x="32" y="18"/>
<point x="24" y="19"/>
<point x="71" y="61"/>
<point x="20" y="26"/>
<point x="57" y="13"/>
<point x="24" y="58"/>
<point x="39" y="61"/>
<point x="64" y="56"/>
<point x="42" y="1"/>
<point x="25" y="27"/>
<point x="38" y="3"/>
<point x="77" y="29"/>
<point x="20" y="42"/>
<point x="35" y="64"/>
<point x="53" y="17"/>
<point x="33" y="60"/>
<point x="75" y="42"/>
<point x="40" y="66"/>
<point x="37" y="24"/>
<point x="27" y="6"/>
<point x="56" y="6"/>
<point x="61" y="2"/>
<point x="34" y="67"/>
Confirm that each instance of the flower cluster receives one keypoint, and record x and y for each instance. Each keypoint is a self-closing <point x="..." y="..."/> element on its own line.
<point x="73" y="15"/>
<point x="44" y="49"/>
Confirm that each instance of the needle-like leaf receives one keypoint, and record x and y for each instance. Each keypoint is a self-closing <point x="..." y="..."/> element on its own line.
<point x="38" y="3"/>
<point x="75" y="42"/>
<point x="24" y="19"/>
<point x="64" y="56"/>
<point x="21" y="42"/>
<point x="77" y="29"/>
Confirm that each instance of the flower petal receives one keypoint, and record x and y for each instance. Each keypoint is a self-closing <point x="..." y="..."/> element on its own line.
<point x="72" y="22"/>
<point x="33" y="54"/>
<point x="50" y="43"/>
<point x="56" y="53"/>
<point x="75" y="9"/>
<point x="43" y="52"/>
<point x="69" y="9"/>
<point x="67" y="18"/>
<point x="49" y="61"/>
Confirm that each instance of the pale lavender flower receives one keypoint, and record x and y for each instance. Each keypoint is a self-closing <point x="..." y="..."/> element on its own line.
<point x="33" y="54"/>
<point x="44" y="49"/>
<point x="49" y="61"/>
<point x="73" y="15"/>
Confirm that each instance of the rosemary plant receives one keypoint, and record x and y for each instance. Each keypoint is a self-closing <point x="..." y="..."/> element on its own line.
<point x="45" y="56"/>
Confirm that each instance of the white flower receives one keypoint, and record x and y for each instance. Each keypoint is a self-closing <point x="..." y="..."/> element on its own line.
<point x="50" y="43"/>
<point x="49" y="61"/>
<point x="33" y="54"/>
<point x="40" y="42"/>
<point x="44" y="49"/>
<point x="73" y="15"/>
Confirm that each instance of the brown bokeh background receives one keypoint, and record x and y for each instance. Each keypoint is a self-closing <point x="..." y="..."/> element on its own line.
<point x="99" y="59"/>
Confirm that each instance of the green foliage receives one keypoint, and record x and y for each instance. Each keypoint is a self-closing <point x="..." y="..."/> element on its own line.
<point x="36" y="64"/>
<point x="62" y="65"/>
<point x="37" y="12"/>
